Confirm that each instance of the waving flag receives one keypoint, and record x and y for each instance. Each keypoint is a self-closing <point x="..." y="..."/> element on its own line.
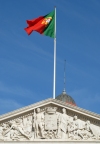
<point x="43" y="25"/>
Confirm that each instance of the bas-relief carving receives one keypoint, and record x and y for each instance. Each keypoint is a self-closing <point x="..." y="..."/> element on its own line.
<point x="48" y="123"/>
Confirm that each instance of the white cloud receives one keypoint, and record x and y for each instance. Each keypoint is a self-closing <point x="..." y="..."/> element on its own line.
<point x="7" y="105"/>
<point x="15" y="90"/>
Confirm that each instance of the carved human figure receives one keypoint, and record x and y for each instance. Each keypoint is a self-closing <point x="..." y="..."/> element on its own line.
<point x="15" y="128"/>
<point x="15" y="134"/>
<point x="87" y="131"/>
<point x="76" y="128"/>
<point x="62" y="124"/>
<point x="39" y="123"/>
<point x="5" y="127"/>
<point x="70" y="130"/>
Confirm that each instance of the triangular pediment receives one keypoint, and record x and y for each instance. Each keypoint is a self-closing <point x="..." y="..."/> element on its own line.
<point x="50" y="119"/>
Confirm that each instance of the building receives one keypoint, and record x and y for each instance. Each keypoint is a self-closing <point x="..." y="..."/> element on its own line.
<point x="50" y="121"/>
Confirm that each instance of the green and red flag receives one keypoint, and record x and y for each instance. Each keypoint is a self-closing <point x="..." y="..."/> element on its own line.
<point x="43" y="25"/>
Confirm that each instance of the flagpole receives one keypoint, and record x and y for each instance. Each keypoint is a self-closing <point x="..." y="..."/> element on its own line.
<point x="54" y="78"/>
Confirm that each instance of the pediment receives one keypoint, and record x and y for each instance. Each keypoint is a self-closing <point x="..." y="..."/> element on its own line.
<point x="50" y="119"/>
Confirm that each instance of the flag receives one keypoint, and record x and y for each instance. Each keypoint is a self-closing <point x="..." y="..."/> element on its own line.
<point x="43" y="25"/>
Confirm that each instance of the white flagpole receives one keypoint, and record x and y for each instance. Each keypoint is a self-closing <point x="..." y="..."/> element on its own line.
<point x="54" y="81"/>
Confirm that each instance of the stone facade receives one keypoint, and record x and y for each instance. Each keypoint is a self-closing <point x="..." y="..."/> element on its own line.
<point x="50" y="121"/>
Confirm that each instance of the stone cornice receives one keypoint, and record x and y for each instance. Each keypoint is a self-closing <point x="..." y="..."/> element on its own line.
<point x="51" y="141"/>
<point x="48" y="101"/>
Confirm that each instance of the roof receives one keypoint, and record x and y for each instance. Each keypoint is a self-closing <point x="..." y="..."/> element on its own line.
<point x="66" y="98"/>
<point x="69" y="107"/>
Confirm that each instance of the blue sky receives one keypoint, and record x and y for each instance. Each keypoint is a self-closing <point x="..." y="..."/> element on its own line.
<point x="26" y="62"/>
